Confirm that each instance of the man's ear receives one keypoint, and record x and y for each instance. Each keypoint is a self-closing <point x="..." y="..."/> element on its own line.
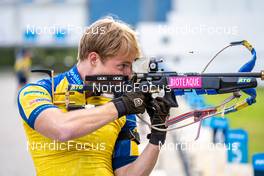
<point x="93" y="58"/>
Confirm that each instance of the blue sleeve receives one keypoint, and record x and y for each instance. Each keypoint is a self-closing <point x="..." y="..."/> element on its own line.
<point x="32" y="100"/>
<point x="126" y="151"/>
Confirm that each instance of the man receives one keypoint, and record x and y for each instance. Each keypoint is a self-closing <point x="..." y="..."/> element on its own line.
<point x="92" y="141"/>
<point x="22" y="67"/>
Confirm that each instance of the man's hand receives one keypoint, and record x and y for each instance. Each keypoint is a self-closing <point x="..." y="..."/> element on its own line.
<point x="158" y="110"/>
<point x="131" y="103"/>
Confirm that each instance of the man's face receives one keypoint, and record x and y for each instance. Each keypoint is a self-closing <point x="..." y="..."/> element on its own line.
<point x="117" y="65"/>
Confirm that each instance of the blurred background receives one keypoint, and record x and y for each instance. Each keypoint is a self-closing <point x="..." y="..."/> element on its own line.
<point x="185" y="33"/>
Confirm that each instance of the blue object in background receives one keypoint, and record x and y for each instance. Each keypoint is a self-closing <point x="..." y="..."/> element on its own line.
<point x="237" y="140"/>
<point x="30" y="36"/>
<point x="60" y="35"/>
<point x="195" y="101"/>
<point x="219" y="123"/>
<point x="129" y="11"/>
<point x="220" y="127"/>
<point x="161" y="9"/>
<point x="258" y="164"/>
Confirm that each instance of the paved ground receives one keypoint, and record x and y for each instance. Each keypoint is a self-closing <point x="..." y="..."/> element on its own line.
<point x="14" y="159"/>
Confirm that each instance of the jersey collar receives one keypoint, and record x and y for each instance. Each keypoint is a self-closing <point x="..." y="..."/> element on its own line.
<point x="73" y="76"/>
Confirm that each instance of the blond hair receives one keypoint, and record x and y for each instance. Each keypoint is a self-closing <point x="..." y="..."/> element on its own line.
<point x="108" y="38"/>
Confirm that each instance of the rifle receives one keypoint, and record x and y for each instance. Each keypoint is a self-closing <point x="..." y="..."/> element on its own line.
<point x="175" y="84"/>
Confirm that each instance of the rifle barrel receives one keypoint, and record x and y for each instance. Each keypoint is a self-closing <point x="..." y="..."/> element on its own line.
<point x="238" y="74"/>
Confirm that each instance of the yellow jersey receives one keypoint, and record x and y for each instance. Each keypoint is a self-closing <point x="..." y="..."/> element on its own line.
<point x="98" y="153"/>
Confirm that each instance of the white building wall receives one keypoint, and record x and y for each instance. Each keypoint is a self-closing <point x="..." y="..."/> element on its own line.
<point x="43" y="17"/>
<point x="198" y="29"/>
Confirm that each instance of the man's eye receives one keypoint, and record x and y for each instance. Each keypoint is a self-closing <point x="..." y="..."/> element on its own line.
<point x="122" y="66"/>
